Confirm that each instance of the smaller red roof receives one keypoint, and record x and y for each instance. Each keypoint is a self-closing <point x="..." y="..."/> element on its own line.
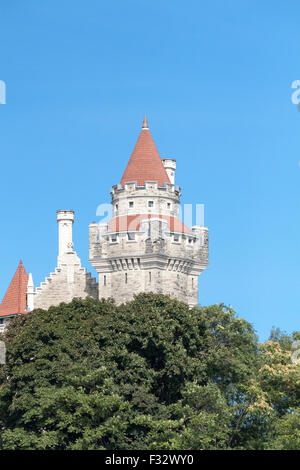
<point x="132" y="223"/>
<point x="14" y="301"/>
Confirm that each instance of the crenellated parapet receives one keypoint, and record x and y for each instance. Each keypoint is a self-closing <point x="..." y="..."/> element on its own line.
<point x="123" y="258"/>
<point x="152" y="198"/>
<point x="145" y="247"/>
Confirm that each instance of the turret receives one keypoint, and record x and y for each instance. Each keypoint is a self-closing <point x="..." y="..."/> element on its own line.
<point x="65" y="220"/>
<point x="145" y="247"/>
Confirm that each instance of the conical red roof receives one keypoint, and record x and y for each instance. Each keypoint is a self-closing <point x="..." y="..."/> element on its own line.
<point x="145" y="163"/>
<point x="14" y="301"/>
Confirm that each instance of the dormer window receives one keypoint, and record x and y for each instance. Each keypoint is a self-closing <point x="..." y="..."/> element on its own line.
<point x="150" y="203"/>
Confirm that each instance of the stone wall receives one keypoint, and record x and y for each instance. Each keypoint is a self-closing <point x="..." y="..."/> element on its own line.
<point x="140" y="195"/>
<point x="155" y="264"/>
<point x="68" y="281"/>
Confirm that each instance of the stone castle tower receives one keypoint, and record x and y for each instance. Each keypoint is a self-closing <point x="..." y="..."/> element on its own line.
<point x="145" y="247"/>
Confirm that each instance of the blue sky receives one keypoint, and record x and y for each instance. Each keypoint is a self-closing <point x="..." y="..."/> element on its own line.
<point x="215" y="81"/>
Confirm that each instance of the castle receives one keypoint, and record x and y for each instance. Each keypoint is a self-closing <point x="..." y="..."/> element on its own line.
<point x="145" y="247"/>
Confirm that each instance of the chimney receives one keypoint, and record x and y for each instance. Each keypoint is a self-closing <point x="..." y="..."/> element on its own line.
<point x="170" y="166"/>
<point x="65" y="220"/>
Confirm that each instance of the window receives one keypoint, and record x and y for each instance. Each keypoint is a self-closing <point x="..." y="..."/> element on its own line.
<point x="126" y="278"/>
<point x="150" y="203"/>
<point x="192" y="282"/>
<point x="176" y="238"/>
<point x="131" y="204"/>
<point x="114" y="238"/>
<point x="1" y="321"/>
<point x="104" y="280"/>
<point x="150" y="277"/>
<point x="117" y="207"/>
<point x="131" y="236"/>
<point x="169" y="205"/>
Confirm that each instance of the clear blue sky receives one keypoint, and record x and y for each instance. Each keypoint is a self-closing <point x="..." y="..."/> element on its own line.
<point x="214" y="78"/>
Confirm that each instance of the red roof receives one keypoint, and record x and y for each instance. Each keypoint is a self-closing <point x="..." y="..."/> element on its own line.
<point x="145" y="163"/>
<point x="132" y="223"/>
<point x="14" y="301"/>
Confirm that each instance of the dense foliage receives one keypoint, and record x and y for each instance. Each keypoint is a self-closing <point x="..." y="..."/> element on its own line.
<point x="150" y="374"/>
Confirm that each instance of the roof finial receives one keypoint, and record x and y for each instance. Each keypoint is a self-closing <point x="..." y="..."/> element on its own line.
<point x="145" y="123"/>
<point x="30" y="281"/>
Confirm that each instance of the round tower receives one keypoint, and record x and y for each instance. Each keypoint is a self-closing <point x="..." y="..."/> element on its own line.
<point x="145" y="247"/>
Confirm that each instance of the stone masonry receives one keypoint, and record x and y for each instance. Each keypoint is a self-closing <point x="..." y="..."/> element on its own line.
<point x="69" y="279"/>
<point x="145" y="247"/>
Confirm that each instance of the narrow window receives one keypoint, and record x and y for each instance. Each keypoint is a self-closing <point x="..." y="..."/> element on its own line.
<point x="169" y="205"/>
<point x="130" y="203"/>
<point x="104" y="280"/>
<point x="150" y="203"/>
<point x="150" y="277"/>
<point x="126" y="278"/>
<point x="117" y="207"/>
<point x="131" y="236"/>
<point x="192" y="282"/>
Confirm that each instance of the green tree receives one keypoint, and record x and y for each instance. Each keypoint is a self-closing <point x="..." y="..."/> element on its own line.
<point x="149" y="374"/>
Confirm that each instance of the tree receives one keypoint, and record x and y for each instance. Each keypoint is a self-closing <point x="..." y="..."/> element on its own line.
<point x="149" y="374"/>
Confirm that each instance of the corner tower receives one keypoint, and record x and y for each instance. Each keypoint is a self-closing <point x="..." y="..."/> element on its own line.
<point x="145" y="247"/>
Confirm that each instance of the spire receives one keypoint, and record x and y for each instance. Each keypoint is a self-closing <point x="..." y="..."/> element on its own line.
<point x="30" y="294"/>
<point x="30" y="281"/>
<point x="145" y="123"/>
<point x="145" y="163"/>
<point x="14" y="301"/>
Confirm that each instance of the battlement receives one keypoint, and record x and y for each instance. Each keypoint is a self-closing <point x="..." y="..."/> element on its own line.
<point x="150" y="198"/>
<point x="152" y="236"/>
<point x="147" y="188"/>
